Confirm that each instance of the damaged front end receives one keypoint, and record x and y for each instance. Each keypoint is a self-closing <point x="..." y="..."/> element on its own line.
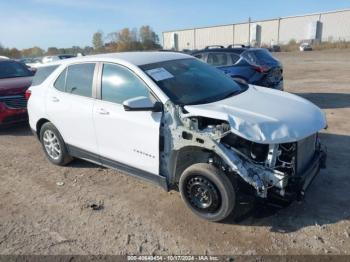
<point x="278" y="170"/>
<point x="284" y="170"/>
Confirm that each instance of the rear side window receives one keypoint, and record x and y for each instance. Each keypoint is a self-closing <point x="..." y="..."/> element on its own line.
<point x="258" y="57"/>
<point x="217" y="59"/>
<point x="79" y="79"/>
<point x="42" y="73"/>
<point x="120" y="84"/>
<point x="234" y="58"/>
<point x="60" y="83"/>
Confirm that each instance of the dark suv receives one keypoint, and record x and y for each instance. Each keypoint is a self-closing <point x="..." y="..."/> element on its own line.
<point x="244" y="64"/>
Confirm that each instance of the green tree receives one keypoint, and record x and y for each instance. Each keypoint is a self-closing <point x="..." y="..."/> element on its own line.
<point x="97" y="41"/>
<point x="2" y="49"/>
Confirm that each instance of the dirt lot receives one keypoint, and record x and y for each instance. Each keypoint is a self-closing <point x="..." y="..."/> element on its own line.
<point x="39" y="216"/>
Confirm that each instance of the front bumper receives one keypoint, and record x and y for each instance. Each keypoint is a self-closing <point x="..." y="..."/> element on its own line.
<point x="298" y="184"/>
<point x="12" y="115"/>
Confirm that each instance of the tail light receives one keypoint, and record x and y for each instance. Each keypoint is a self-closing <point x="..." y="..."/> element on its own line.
<point x="27" y="94"/>
<point x="261" y="69"/>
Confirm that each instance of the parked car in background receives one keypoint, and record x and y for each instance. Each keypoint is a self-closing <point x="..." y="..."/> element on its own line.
<point x="275" y="48"/>
<point x="4" y="57"/>
<point x="15" y="79"/>
<point x="179" y="123"/>
<point x="32" y="62"/>
<point x="244" y="64"/>
<point x="48" y="59"/>
<point x="305" y="47"/>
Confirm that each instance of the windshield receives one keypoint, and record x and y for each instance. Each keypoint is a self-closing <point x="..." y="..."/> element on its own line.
<point x="11" y="69"/>
<point x="190" y="81"/>
<point x="258" y="57"/>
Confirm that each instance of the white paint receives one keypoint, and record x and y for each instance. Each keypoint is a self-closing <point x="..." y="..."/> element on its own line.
<point x="267" y="116"/>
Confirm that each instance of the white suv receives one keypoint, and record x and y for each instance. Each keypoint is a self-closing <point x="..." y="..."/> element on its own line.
<point x="179" y="123"/>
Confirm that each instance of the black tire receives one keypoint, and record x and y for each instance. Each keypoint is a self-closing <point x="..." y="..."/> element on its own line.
<point x="63" y="158"/>
<point x="207" y="192"/>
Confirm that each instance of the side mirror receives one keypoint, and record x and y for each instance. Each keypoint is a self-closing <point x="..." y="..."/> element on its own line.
<point x="142" y="103"/>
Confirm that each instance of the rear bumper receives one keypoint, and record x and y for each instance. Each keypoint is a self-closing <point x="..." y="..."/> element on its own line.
<point x="11" y="115"/>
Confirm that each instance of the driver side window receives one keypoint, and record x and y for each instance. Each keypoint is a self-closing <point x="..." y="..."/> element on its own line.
<point x="120" y="84"/>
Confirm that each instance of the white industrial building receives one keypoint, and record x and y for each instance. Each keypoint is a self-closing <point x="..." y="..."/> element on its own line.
<point x="328" y="26"/>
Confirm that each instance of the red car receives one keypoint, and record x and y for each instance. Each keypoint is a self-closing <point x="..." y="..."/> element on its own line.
<point x="15" y="79"/>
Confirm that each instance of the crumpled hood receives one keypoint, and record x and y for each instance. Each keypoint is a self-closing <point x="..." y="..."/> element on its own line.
<point x="264" y="115"/>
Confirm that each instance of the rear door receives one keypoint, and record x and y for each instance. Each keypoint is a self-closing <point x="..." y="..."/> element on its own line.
<point x="70" y="103"/>
<point x="127" y="137"/>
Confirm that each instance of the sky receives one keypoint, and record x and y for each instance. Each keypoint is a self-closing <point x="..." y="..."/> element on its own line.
<point x="64" y="23"/>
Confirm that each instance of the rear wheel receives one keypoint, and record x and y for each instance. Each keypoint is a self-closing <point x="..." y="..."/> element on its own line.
<point x="53" y="145"/>
<point x="207" y="191"/>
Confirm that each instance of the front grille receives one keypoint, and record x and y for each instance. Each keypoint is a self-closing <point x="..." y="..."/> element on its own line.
<point x="305" y="152"/>
<point x="14" y="102"/>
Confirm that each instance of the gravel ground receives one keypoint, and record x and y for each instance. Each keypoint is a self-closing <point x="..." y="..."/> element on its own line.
<point x="46" y="209"/>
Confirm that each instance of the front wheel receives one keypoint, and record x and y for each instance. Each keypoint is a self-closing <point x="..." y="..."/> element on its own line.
<point x="208" y="192"/>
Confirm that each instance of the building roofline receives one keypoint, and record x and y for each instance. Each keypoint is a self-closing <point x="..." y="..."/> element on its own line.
<point x="257" y="21"/>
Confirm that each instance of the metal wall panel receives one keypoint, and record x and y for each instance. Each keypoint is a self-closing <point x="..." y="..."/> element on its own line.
<point x="220" y="35"/>
<point x="167" y="40"/>
<point x="269" y="31"/>
<point x="185" y="39"/>
<point x="296" y="28"/>
<point x="241" y="34"/>
<point x="336" y="26"/>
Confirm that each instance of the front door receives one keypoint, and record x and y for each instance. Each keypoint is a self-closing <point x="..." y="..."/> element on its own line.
<point x="129" y="138"/>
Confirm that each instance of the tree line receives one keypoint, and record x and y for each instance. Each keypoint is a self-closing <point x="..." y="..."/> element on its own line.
<point x="126" y="39"/>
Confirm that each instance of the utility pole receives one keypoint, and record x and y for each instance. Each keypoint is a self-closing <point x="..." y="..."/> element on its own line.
<point x="249" y="21"/>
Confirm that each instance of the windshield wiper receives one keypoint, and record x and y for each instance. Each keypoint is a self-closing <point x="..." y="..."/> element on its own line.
<point x="230" y="94"/>
<point x="203" y="101"/>
<point x="215" y="99"/>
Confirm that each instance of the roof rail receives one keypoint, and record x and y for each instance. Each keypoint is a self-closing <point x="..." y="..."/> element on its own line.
<point x="238" y="45"/>
<point x="214" y="46"/>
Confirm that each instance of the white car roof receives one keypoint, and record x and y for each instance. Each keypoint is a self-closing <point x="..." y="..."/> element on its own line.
<point x="135" y="58"/>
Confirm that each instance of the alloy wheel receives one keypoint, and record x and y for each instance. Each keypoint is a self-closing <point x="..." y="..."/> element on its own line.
<point x="52" y="144"/>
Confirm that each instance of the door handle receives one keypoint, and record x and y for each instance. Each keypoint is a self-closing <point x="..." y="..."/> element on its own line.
<point x="103" y="111"/>
<point x="54" y="99"/>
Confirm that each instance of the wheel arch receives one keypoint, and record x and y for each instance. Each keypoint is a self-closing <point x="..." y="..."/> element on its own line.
<point x="39" y="125"/>
<point x="186" y="157"/>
